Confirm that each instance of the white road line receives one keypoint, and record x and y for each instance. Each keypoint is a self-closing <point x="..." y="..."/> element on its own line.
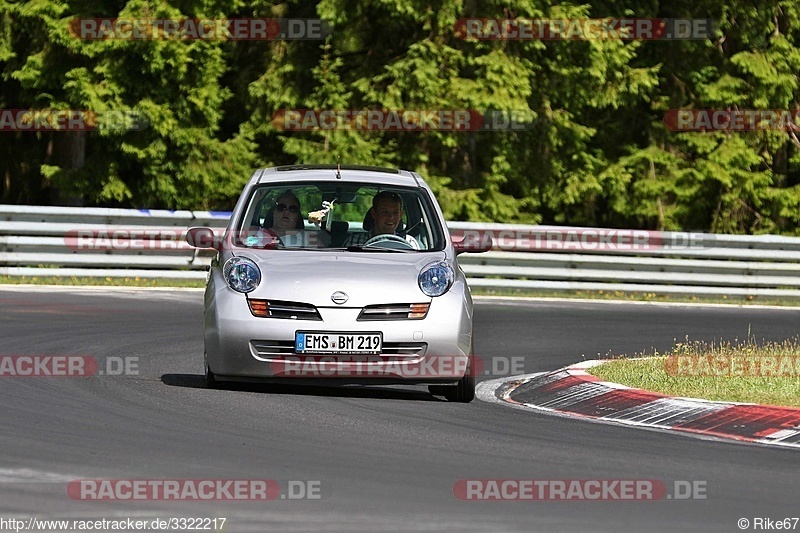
<point x="27" y="475"/>
<point x="521" y="300"/>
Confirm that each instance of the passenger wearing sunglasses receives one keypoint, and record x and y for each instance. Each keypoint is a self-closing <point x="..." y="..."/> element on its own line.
<point x="286" y="213"/>
<point x="286" y="221"/>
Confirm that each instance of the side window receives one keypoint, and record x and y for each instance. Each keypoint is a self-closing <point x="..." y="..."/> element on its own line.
<point x="255" y="211"/>
<point x="261" y="212"/>
<point x="416" y="225"/>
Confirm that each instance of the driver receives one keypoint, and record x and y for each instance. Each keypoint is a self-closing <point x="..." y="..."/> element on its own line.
<point x="386" y="213"/>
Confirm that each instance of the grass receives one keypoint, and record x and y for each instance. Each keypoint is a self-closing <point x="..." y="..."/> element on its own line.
<point x="105" y="282"/>
<point x="766" y="373"/>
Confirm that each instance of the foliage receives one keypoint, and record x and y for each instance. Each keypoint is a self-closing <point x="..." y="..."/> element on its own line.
<point x="592" y="147"/>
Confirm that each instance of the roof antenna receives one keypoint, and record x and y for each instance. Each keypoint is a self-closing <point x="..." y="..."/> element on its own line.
<point x="339" y="168"/>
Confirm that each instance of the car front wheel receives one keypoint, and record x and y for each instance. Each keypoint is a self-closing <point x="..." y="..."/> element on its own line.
<point x="211" y="379"/>
<point x="463" y="391"/>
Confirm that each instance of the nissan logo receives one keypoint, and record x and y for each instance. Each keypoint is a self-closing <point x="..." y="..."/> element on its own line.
<point x="339" y="297"/>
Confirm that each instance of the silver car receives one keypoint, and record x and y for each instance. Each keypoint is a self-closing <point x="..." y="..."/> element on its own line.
<point x="342" y="274"/>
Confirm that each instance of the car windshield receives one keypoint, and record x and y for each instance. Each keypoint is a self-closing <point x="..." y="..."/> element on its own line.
<point x="340" y="215"/>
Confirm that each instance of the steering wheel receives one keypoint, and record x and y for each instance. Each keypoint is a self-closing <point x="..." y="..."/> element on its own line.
<point x="388" y="237"/>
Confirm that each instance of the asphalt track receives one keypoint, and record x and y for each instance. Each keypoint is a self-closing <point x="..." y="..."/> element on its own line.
<point x="386" y="458"/>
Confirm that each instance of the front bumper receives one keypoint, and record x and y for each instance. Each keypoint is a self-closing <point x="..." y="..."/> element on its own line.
<point x="433" y="350"/>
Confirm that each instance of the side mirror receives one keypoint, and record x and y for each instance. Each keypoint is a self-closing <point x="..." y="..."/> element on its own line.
<point x="203" y="238"/>
<point x="473" y="244"/>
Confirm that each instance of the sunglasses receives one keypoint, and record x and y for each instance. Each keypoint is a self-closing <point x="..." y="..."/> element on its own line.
<point x="292" y="208"/>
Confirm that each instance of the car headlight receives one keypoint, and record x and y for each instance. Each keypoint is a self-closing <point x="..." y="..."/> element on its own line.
<point x="241" y="274"/>
<point x="436" y="278"/>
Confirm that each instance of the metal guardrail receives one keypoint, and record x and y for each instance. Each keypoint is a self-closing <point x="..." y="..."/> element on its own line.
<point x="95" y="242"/>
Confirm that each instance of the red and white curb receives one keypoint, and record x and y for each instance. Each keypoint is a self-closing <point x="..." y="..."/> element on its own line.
<point x="573" y="392"/>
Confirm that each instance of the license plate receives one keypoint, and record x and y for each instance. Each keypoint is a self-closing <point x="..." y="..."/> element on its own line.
<point x="369" y="343"/>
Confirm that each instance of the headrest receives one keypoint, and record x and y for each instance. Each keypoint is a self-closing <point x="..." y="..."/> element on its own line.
<point x="369" y="222"/>
<point x="339" y="226"/>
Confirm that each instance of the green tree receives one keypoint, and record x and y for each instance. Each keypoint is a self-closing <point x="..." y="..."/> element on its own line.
<point x="175" y="157"/>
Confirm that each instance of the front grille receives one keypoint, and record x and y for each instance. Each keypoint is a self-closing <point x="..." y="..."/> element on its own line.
<point x="266" y="348"/>
<point x="284" y="310"/>
<point x="404" y="348"/>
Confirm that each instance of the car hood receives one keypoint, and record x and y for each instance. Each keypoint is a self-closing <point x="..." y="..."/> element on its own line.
<point x="367" y="278"/>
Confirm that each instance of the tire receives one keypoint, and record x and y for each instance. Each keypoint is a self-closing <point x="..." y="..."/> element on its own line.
<point x="211" y="379"/>
<point x="464" y="391"/>
<point x="437" y="390"/>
